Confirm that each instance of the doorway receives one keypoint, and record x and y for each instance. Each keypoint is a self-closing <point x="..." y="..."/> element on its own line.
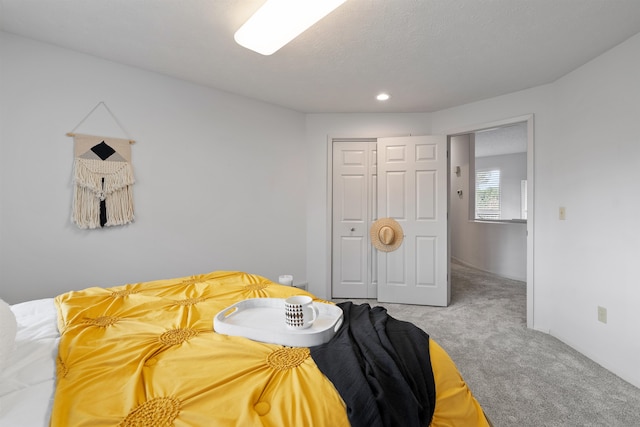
<point x="516" y="226"/>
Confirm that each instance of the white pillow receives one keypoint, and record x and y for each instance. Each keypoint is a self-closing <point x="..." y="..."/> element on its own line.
<point x="8" y="326"/>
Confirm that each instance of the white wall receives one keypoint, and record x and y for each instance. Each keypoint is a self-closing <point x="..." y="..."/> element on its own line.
<point x="594" y="172"/>
<point x="220" y="178"/>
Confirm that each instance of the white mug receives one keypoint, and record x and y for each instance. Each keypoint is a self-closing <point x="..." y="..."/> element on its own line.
<point x="300" y="312"/>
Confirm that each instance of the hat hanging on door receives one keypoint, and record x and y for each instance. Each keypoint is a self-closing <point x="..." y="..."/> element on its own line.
<point x="386" y="234"/>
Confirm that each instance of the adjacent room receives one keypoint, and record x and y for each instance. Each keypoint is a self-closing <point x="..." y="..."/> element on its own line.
<point x="275" y="170"/>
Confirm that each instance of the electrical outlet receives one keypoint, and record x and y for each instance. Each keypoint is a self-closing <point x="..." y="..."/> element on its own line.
<point x="563" y="213"/>
<point x="602" y="314"/>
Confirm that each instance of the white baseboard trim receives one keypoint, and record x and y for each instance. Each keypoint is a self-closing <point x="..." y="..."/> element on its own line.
<point x="506" y="276"/>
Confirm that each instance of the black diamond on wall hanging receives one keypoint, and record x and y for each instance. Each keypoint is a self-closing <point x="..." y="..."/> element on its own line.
<point x="103" y="150"/>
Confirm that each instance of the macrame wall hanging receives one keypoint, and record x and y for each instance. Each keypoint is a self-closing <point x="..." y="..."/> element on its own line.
<point x="102" y="179"/>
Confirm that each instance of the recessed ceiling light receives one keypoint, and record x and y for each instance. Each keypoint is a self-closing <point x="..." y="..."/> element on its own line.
<point x="382" y="97"/>
<point x="277" y="22"/>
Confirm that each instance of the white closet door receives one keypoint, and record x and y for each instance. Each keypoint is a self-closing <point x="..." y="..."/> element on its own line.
<point x="412" y="189"/>
<point x="354" y="174"/>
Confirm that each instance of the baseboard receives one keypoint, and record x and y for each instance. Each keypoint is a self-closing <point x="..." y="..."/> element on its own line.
<point x="505" y="276"/>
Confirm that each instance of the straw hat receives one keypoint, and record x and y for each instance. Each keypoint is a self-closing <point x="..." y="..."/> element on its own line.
<point x="386" y="234"/>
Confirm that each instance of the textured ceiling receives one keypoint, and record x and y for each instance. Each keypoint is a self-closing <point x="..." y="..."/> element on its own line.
<point x="428" y="54"/>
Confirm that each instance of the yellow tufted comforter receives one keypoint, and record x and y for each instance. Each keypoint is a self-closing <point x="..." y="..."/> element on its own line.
<point x="146" y="355"/>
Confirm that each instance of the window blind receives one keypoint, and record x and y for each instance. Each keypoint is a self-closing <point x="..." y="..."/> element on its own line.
<point x="488" y="194"/>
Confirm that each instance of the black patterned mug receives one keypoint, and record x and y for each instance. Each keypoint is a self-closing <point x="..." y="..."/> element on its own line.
<point x="300" y="312"/>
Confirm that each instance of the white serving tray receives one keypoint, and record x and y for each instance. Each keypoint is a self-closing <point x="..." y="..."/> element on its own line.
<point x="262" y="319"/>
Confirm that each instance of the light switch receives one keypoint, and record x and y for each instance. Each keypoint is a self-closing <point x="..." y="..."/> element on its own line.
<point x="563" y="213"/>
<point x="602" y="314"/>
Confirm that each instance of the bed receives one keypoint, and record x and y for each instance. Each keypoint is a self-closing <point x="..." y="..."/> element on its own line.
<point x="146" y="354"/>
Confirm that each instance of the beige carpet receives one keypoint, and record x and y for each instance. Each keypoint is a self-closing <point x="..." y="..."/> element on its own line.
<point x="520" y="377"/>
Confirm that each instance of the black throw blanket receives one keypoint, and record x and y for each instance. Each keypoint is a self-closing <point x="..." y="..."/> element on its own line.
<point x="381" y="367"/>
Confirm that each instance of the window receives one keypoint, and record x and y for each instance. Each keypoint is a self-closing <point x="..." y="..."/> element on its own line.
<point x="498" y="165"/>
<point x="488" y="194"/>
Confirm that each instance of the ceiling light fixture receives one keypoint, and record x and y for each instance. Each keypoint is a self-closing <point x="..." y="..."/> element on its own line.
<point x="383" y="97"/>
<point x="278" y="22"/>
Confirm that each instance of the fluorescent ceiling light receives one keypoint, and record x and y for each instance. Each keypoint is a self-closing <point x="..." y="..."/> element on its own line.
<point x="278" y="22"/>
<point x="382" y="97"/>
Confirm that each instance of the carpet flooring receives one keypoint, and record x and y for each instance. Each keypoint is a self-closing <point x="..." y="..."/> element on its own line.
<point x="521" y="377"/>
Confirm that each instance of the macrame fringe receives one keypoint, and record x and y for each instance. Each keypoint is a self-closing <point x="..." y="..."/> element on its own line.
<point x="97" y="180"/>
